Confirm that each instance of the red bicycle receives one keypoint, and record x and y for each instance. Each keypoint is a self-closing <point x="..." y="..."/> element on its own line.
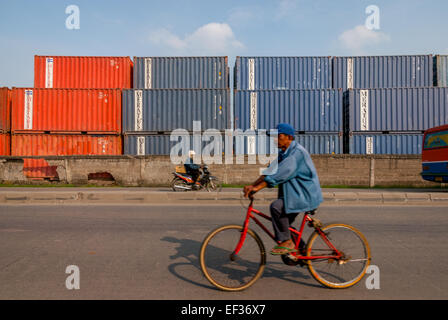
<point x="233" y="257"/>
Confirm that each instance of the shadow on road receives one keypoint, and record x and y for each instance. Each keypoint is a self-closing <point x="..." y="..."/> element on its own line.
<point x="188" y="250"/>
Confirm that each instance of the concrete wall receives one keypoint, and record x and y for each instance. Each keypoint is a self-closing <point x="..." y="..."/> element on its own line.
<point x="349" y="170"/>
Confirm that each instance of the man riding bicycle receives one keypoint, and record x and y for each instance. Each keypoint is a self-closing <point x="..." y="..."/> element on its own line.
<point x="299" y="187"/>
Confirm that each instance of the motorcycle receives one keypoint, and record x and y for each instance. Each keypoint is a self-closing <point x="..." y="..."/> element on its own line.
<point x="184" y="182"/>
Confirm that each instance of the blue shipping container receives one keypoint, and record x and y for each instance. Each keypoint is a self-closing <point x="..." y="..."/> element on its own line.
<point x="306" y="110"/>
<point x="274" y="73"/>
<point x="169" y="109"/>
<point x="378" y="143"/>
<point x="164" y="144"/>
<point x="314" y="143"/>
<point x="181" y="73"/>
<point x="382" y="72"/>
<point x="396" y="109"/>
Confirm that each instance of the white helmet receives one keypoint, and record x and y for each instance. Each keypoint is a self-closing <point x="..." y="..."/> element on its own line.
<point x="191" y="153"/>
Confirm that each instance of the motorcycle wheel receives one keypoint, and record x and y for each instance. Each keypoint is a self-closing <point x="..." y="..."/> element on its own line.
<point x="179" y="185"/>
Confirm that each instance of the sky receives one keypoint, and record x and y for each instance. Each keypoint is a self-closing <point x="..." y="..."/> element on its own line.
<point x="214" y="28"/>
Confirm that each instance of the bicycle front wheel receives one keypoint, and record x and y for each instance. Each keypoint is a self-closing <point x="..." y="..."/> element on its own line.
<point x="350" y="268"/>
<point x="222" y="267"/>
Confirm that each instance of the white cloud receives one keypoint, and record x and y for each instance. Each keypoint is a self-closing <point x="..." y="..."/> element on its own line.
<point x="213" y="38"/>
<point x="360" y="38"/>
<point x="164" y="37"/>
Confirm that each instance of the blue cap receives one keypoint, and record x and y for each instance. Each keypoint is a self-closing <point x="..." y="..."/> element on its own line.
<point x="285" y="129"/>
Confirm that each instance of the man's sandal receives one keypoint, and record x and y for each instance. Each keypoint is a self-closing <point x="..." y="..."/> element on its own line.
<point x="279" y="250"/>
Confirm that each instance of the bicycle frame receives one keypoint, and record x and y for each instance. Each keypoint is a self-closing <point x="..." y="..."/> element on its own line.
<point x="306" y="218"/>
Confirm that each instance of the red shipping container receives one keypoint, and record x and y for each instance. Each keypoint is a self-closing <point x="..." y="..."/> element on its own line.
<point x="5" y="144"/>
<point x="66" y="110"/>
<point x="82" y="72"/>
<point x="65" y="145"/>
<point x="5" y="110"/>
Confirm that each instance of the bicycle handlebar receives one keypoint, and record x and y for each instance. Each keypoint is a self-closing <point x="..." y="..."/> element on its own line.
<point x="251" y="196"/>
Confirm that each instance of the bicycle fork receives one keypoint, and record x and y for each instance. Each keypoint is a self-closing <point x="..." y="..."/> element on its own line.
<point x="234" y="254"/>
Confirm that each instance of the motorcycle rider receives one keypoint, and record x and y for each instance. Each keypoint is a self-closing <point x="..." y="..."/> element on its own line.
<point x="192" y="169"/>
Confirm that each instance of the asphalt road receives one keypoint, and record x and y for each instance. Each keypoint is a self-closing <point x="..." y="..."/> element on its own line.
<point x="151" y="252"/>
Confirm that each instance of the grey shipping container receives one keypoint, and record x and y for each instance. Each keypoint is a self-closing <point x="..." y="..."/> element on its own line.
<point x="314" y="143"/>
<point x="441" y="70"/>
<point x="382" y="72"/>
<point x="378" y="143"/>
<point x="169" y="109"/>
<point x="273" y="73"/>
<point x="395" y="109"/>
<point x="306" y="110"/>
<point x="181" y="73"/>
<point x="179" y="144"/>
<point x="161" y="144"/>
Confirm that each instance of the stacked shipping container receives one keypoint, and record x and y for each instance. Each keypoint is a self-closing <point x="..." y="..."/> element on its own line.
<point x="82" y="72"/>
<point x="73" y="109"/>
<point x="171" y="93"/>
<point x="72" y="97"/>
<point x="382" y="72"/>
<point x="66" y="122"/>
<point x="181" y="73"/>
<point x="295" y="90"/>
<point x="5" y="121"/>
<point x="82" y="105"/>
<point x="441" y="71"/>
<point x="277" y="73"/>
<point x="66" y="144"/>
<point x="389" y="102"/>
<point x="66" y="111"/>
<point x="164" y="110"/>
<point x="395" y="109"/>
<point x="306" y="110"/>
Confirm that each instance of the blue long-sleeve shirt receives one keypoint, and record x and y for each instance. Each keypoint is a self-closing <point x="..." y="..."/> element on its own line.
<point x="297" y="178"/>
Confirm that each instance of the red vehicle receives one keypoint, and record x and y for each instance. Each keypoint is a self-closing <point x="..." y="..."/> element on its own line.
<point x="435" y="154"/>
<point x="233" y="257"/>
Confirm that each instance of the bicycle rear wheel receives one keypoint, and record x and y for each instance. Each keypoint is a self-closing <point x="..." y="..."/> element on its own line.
<point x="222" y="267"/>
<point x="350" y="268"/>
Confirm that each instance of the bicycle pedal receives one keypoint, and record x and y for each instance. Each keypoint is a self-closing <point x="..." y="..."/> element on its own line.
<point x="292" y="257"/>
<point x="297" y="261"/>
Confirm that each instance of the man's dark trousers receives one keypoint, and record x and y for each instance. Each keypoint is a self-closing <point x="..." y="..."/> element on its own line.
<point x="281" y="221"/>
